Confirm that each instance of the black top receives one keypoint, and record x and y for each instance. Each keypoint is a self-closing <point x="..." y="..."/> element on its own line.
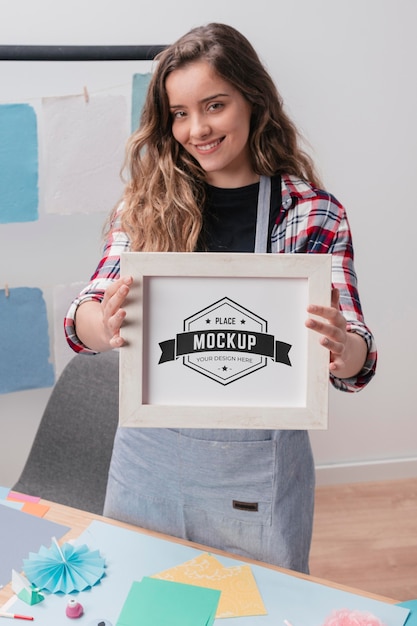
<point x="229" y="221"/>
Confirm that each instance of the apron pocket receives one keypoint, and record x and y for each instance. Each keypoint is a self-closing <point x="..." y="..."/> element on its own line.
<point x="233" y="479"/>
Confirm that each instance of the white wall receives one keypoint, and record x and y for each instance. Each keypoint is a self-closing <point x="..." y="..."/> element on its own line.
<point x="346" y="69"/>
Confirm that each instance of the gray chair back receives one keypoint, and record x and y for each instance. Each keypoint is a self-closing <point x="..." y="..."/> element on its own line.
<point x="70" y="456"/>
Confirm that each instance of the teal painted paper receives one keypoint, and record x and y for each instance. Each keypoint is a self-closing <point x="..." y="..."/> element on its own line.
<point x="139" y="90"/>
<point x="19" y="196"/>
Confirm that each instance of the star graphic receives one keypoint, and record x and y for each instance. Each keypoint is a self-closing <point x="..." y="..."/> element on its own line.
<point x="208" y="321"/>
<point x="243" y="322"/>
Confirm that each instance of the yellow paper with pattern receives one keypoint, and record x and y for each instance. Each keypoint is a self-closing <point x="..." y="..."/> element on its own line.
<point x="240" y="595"/>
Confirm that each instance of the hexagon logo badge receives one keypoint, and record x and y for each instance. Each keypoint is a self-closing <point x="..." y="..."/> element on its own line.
<point x="225" y="342"/>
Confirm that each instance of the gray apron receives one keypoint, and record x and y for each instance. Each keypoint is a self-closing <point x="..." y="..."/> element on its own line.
<point x="249" y="492"/>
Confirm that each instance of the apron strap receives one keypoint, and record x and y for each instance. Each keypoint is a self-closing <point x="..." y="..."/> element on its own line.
<point x="262" y="217"/>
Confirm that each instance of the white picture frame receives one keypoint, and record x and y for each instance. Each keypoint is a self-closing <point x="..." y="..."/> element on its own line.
<point x="219" y="340"/>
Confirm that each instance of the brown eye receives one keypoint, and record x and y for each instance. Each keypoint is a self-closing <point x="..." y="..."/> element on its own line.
<point x="215" y="106"/>
<point x="176" y="115"/>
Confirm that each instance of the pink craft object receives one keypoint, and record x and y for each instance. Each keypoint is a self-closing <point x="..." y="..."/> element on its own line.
<point x="74" y="609"/>
<point x="344" y="617"/>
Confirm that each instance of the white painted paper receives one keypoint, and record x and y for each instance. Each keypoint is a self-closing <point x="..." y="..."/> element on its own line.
<point x="83" y="143"/>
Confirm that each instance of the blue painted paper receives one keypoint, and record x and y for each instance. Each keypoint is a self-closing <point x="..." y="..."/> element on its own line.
<point x="139" y="90"/>
<point x="18" y="164"/>
<point x="24" y="341"/>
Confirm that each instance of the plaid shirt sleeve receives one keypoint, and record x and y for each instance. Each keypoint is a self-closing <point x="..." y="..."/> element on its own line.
<point x="313" y="221"/>
<point x="107" y="271"/>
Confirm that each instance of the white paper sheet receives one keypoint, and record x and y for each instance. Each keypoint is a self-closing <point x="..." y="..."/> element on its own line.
<point x="83" y="143"/>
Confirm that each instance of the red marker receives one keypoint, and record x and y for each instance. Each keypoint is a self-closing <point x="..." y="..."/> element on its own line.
<point x="15" y="616"/>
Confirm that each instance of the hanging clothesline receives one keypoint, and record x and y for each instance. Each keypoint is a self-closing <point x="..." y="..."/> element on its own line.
<point x="79" y="53"/>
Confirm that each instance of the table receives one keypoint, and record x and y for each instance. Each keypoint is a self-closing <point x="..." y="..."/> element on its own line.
<point x="78" y="521"/>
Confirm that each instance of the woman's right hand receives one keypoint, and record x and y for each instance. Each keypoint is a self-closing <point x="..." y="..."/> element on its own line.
<point x="98" y="323"/>
<point x="112" y="310"/>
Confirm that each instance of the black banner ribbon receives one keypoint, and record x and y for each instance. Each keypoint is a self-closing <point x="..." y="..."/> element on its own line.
<point x="225" y="341"/>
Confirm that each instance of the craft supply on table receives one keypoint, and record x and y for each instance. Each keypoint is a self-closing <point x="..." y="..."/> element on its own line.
<point x="15" y="616"/>
<point x="65" y="568"/>
<point x="74" y="609"/>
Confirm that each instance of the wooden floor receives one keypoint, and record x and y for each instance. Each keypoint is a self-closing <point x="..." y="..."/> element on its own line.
<point x="365" y="536"/>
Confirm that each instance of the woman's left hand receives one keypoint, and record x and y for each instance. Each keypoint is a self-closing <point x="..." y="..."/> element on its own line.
<point x="347" y="350"/>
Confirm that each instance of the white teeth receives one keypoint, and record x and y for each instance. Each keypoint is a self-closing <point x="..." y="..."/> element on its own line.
<point x="209" y="146"/>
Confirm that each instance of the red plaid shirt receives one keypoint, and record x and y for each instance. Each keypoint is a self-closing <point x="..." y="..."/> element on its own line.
<point x="310" y="221"/>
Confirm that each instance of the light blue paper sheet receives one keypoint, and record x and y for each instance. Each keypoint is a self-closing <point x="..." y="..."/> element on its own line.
<point x="130" y="556"/>
<point x="4" y="492"/>
<point x="412" y="605"/>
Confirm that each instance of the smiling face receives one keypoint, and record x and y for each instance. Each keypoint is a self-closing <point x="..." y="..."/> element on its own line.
<point x="211" y="120"/>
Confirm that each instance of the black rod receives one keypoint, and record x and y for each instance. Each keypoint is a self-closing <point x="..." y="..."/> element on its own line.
<point x="79" y="53"/>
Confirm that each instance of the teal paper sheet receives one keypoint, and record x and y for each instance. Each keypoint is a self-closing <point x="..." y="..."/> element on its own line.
<point x="162" y="602"/>
<point x="140" y="85"/>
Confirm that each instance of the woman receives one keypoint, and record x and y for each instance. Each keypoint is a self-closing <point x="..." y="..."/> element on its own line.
<point x="213" y="150"/>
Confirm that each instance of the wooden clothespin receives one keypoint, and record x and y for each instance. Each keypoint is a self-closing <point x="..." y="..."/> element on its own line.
<point x="86" y="95"/>
<point x="6" y="290"/>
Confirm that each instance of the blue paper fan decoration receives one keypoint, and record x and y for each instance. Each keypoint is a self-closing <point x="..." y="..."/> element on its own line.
<point x="64" y="568"/>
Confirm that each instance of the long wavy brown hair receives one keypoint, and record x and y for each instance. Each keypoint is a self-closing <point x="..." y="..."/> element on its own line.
<point x="165" y="192"/>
